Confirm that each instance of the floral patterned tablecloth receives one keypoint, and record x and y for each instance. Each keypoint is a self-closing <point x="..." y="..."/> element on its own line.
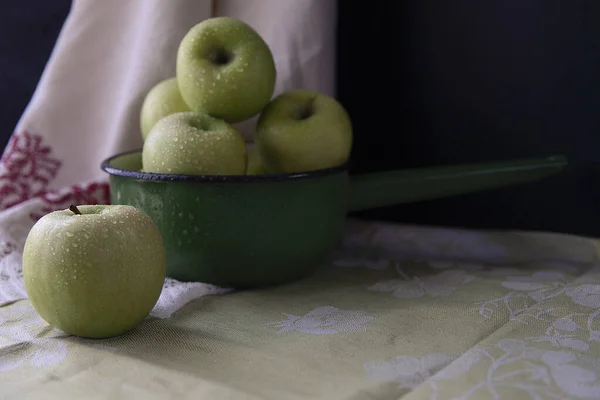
<point x="400" y="312"/>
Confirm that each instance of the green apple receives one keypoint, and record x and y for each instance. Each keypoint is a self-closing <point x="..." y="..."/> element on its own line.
<point x="194" y="143"/>
<point x="94" y="271"/>
<point x="226" y="69"/>
<point x="255" y="166"/>
<point x="162" y="100"/>
<point x="303" y="130"/>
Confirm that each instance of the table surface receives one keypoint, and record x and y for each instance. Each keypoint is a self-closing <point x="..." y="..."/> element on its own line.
<point x="400" y="312"/>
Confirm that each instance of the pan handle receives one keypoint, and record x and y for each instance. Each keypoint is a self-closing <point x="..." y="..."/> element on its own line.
<point x="380" y="189"/>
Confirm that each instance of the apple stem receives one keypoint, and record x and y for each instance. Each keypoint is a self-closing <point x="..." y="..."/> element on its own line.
<point x="74" y="209"/>
<point x="220" y="57"/>
<point x="307" y="109"/>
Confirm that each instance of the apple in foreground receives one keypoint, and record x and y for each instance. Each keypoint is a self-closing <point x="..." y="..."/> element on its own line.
<point x="194" y="143"/>
<point x="303" y="130"/>
<point x="162" y="100"/>
<point x="226" y="69"/>
<point x="94" y="271"/>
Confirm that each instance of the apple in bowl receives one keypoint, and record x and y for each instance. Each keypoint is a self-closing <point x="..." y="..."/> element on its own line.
<point x="163" y="99"/>
<point x="225" y="69"/>
<point x="194" y="143"/>
<point x="303" y="130"/>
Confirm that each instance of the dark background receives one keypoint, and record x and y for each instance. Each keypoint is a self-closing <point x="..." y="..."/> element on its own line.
<point x="431" y="82"/>
<point x="468" y="81"/>
<point x="28" y="31"/>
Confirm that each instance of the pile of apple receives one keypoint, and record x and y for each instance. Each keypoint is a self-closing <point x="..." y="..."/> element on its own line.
<point x="225" y="74"/>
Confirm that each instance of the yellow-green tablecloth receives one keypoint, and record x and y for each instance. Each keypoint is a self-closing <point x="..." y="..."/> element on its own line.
<point x="401" y="312"/>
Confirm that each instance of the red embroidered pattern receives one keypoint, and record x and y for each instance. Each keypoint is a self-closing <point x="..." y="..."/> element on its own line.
<point x="26" y="169"/>
<point x="90" y="193"/>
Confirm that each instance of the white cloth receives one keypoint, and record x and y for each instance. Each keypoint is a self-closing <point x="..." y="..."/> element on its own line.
<point x="86" y="105"/>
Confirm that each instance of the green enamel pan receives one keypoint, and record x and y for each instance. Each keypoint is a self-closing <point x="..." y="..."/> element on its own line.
<point x="260" y="230"/>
